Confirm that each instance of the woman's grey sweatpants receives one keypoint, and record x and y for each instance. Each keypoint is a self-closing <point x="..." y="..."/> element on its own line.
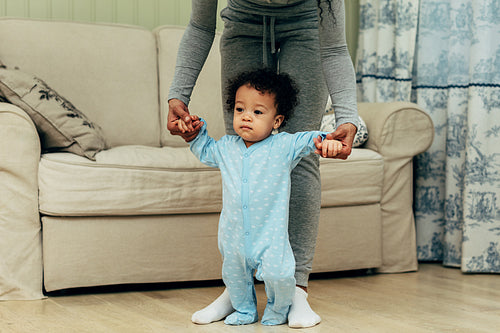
<point x="290" y="45"/>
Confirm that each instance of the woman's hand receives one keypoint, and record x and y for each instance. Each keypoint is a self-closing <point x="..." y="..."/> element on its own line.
<point x="345" y="133"/>
<point x="178" y="110"/>
<point x="185" y="130"/>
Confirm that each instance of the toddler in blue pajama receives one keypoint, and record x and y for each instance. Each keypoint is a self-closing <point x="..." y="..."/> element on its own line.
<point x="255" y="167"/>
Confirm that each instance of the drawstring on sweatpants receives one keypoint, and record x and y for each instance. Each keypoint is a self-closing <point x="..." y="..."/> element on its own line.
<point x="264" y="38"/>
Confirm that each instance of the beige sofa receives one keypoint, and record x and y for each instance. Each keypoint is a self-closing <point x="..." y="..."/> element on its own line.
<point x="146" y="210"/>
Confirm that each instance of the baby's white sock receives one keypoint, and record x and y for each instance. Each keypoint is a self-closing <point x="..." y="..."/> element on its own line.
<point x="217" y="310"/>
<point x="301" y="315"/>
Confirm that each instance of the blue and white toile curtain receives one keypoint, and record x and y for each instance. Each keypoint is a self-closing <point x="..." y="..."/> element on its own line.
<point x="445" y="56"/>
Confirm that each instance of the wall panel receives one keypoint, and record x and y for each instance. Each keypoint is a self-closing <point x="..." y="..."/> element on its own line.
<point x="60" y="10"/>
<point x="352" y="25"/>
<point x="146" y="13"/>
<point x="16" y="8"/>
<point x="126" y="11"/>
<point x="38" y="8"/>
<point x="105" y="10"/>
<point x="82" y="10"/>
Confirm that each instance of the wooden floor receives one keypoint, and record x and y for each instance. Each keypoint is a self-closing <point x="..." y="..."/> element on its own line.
<point x="435" y="299"/>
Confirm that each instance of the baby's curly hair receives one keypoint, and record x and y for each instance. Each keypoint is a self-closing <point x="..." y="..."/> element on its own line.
<point x="267" y="81"/>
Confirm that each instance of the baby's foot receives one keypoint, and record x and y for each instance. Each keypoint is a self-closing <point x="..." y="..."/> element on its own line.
<point x="240" y="318"/>
<point x="301" y="315"/>
<point x="217" y="310"/>
<point x="271" y="317"/>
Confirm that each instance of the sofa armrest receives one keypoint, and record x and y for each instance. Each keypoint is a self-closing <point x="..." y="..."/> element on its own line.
<point x="20" y="230"/>
<point x="397" y="129"/>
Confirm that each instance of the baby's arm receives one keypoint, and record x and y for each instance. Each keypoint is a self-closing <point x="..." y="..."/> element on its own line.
<point x="327" y="148"/>
<point x="182" y="126"/>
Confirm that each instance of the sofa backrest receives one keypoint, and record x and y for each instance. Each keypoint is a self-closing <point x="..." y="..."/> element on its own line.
<point x="206" y="100"/>
<point x="109" y="72"/>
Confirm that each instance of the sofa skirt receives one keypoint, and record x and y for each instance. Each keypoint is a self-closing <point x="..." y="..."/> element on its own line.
<point x="96" y="251"/>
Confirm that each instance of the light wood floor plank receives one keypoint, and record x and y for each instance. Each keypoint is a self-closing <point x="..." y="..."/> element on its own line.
<point x="434" y="299"/>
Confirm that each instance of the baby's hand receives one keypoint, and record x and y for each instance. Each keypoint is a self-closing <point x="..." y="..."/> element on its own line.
<point x="327" y="148"/>
<point x="184" y="128"/>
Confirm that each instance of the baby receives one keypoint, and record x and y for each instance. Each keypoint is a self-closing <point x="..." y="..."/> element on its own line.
<point x="255" y="166"/>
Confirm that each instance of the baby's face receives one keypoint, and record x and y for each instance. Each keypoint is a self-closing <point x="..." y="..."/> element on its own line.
<point x="254" y="115"/>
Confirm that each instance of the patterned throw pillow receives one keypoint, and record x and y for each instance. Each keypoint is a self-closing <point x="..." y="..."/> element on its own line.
<point x="60" y="125"/>
<point x="328" y="124"/>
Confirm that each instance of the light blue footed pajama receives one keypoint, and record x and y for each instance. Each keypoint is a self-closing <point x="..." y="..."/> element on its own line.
<point x="253" y="226"/>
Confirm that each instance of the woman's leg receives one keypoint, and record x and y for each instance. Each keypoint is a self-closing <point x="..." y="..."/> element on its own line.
<point x="299" y="57"/>
<point x="238" y="54"/>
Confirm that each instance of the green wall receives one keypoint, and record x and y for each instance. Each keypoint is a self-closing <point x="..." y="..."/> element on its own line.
<point x="352" y="25"/>
<point x="146" y="13"/>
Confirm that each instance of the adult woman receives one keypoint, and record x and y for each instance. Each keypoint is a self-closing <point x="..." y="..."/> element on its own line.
<point x="306" y="39"/>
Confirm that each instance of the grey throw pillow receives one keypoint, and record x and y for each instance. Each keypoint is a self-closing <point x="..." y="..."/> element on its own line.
<point x="60" y="125"/>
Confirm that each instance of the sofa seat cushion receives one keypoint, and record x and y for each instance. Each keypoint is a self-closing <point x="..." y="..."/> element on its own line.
<point x="128" y="180"/>
<point x="141" y="180"/>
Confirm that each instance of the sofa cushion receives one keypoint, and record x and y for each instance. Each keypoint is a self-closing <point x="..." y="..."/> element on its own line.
<point x="127" y="180"/>
<point x="60" y="124"/>
<point x="140" y="180"/>
<point x="355" y="181"/>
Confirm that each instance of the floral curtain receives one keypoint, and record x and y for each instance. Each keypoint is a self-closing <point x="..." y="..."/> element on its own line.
<point x="445" y="56"/>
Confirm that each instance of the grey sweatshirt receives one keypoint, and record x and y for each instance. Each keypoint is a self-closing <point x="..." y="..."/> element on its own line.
<point x="337" y="65"/>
